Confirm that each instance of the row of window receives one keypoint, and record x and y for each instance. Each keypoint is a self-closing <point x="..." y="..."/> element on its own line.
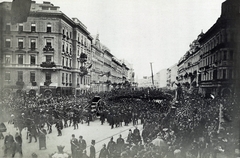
<point x="20" y="59"/>
<point x="66" y="62"/>
<point x="68" y="48"/>
<point x="32" y="43"/>
<point x="49" y="27"/>
<point x="66" y="76"/>
<point x="213" y="42"/>
<point x="32" y="76"/>
<point x="85" y="80"/>
<point x="65" y="33"/>
<point x="218" y="74"/>
<point x="33" y="27"/>
<point x="218" y="56"/>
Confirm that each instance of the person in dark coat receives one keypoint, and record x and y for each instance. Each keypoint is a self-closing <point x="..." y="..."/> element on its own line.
<point x="42" y="138"/>
<point x="104" y="152"/>
<point x="111" y="120"/>
<point x="17" y="147"/>
<point x="89" y="117"/>
<point x="119" y="145"/>
<point x="75" y="121"/>
<point x="111" y="147"/>
<point x="59" y="127"/>
<point x="3" y="129"/>
<point x="92" y="150"/>
<point x="74" y="146"/>
<point x="136" y="136"/>
<point x="8" y="144"/>
<point x="81" y="145"/>
<point x="32" y="132"/>
<point x="102" y="117"/>
<point x="130" y="137"/>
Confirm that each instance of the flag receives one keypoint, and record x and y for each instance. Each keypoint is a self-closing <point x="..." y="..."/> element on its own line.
<point x="20" y="11"/>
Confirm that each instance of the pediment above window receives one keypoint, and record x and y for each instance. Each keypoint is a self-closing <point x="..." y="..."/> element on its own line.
<point x="20" y="51"/>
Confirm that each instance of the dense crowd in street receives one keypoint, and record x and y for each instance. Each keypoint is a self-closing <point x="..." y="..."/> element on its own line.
<point x="192" y="127"/>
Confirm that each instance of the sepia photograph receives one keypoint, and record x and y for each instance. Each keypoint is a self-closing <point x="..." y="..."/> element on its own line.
<point x="119" y="79"/>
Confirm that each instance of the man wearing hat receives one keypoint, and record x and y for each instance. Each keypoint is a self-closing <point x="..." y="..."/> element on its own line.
<point x="119" y="144"/>
<point x="104" y="152"/>
<point x="92" y="150"/>
<point x="111" y="146"/>
<point x="81" y="144"/>
<point x="130" y="137"/>
<point x="74" y="146"/>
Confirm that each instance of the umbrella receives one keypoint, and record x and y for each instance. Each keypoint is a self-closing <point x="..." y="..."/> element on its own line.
<point x="3" y="127"/>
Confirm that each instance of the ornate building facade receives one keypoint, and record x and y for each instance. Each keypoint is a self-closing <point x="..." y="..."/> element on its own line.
<point x="188" y="65"/>
<point x="219" y="54"/>
<point x="51" y="54"/>
<point x="107" y="72"/>
<point x="211" y="65"/>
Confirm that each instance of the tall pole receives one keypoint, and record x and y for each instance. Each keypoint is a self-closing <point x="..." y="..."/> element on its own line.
<point x="152" y="73"/>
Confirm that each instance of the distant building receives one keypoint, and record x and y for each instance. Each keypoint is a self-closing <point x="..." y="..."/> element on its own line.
<point x="172" y="73"/>
<point x="188" y="65"/>
<point x="145" y="82"/>
<point x="160" y="79"/>
<point x="107" y="71"/>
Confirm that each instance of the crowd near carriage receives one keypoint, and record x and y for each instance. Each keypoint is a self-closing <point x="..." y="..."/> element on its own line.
<point x="173" y="126"/>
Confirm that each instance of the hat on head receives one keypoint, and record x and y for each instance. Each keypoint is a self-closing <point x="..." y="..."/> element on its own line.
<point x="80" y="136"/>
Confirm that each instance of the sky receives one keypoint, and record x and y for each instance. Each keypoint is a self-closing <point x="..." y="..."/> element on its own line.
<point x="144" y="31"/>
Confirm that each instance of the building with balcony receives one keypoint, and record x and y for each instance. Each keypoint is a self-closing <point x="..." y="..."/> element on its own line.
<point x="211" y="64"/>
<point x="53" y="55"/>
<point x="41" y="55"/>
<point x="107" y="71"/>
<point x="219" y="54"/>
<point x="188" y="65"/>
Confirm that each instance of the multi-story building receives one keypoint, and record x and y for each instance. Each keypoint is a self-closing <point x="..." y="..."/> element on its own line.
<point x="107" y="72"/>
<point x="172" y="76"/>
<point x="188" y="65"/>
<point x="52" y="54"/>
<point x="160" y="79"/>
<point x="145" y="82"/>
<point x="220" y="52"/>
<point x="211" y="63"/>
<point x="131" y="73"/>
<point x="97" y="67"/>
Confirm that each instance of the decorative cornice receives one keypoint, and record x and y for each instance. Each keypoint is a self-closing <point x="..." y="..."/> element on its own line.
<point x="62" y="16"/>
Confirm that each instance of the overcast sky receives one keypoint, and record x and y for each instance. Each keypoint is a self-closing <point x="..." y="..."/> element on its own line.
<point x="144" y="31"/>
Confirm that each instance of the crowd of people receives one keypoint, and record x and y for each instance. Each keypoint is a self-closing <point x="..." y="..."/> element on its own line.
<point x="191" y="127"/>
